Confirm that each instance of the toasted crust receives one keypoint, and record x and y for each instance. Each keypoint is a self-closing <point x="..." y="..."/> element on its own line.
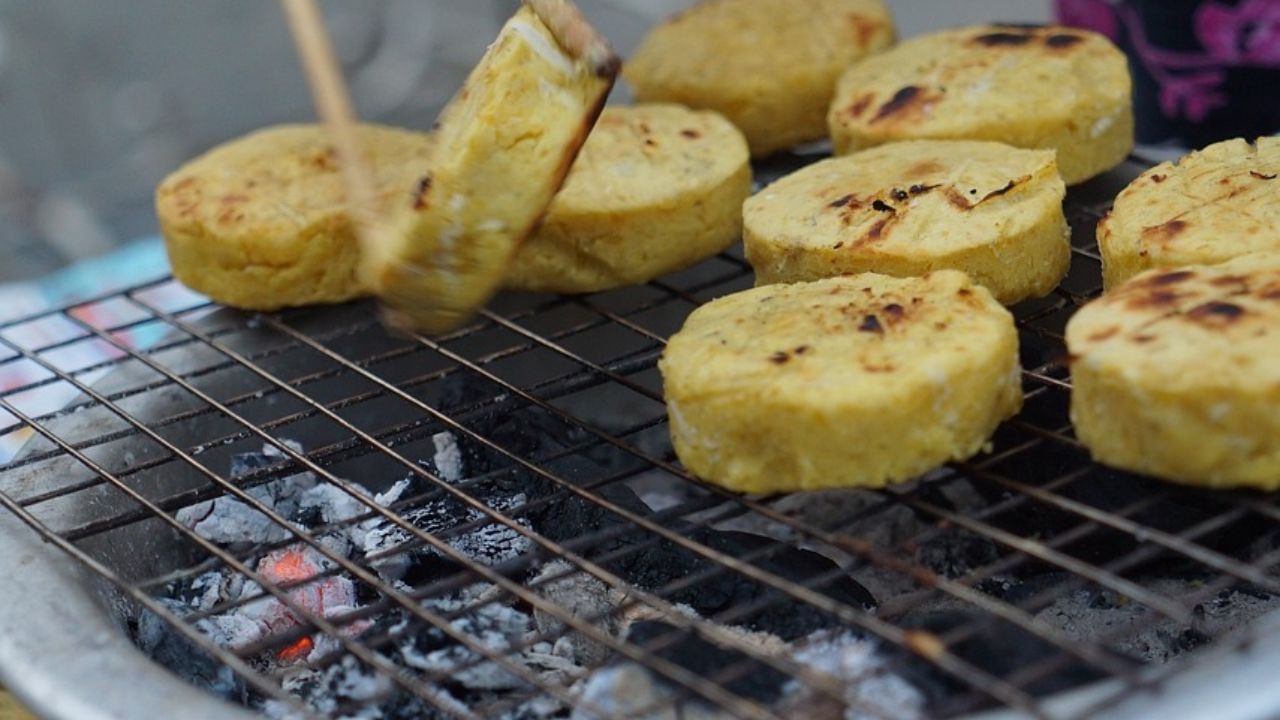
<point x="261" y="222"/>
<point x="1175" y="374"/>
<point x="1211" y="206"/>
<point x="655" y="189"/>
<point x="770" y="66"/>
<point x="845" y="382"/>
<point x="505" y="144"/>
<point x="905" y="209"/>
<point x="1057" y="88"/>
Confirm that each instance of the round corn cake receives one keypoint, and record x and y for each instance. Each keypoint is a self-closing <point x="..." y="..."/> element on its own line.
<point x="991" y="210"/>
<point x="504" y="145"/>
<point x="1034" y="87"/>
<point x="655" y="189"/>
<point x="261" y="222"/>
<point x="770" y="66"/>
<point x="844" y="382"/>
<point x="1212" y="205"/>
<point x="1175" y="374"/>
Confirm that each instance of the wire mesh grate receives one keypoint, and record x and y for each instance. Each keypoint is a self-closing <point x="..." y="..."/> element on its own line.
<point x="554" y="407"/>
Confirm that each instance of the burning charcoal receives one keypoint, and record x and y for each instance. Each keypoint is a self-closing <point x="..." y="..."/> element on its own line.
<point x="447" y="459"/>
<point x="489" y="544"/>
<point x="494" y="626"/>
<point x="872" y="690"/>
<point x="630" y="690"/>
<point x="155" y="637"/>
<point x="583" y="596"/>
<point x="953" y="553"/>
<point x="323" y="596"/>
<point x="998" y="648"/>
<point x="230" y="521"/>
<point x="664" y="562"/>
<point x="324" y="691"/>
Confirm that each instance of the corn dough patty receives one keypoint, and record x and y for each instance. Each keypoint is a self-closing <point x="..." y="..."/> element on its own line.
<point x="1212" y="205"/>
<point x="991" y="210"/>
<point x="503" y="147"/>
<point x="1175" y="374"/>
<point x="261" y="222"/>
<point x="844" y="382"/>
<point x="655" y="189"/>
<point x="1034" y="87"/>
<point x="770" y="66"/>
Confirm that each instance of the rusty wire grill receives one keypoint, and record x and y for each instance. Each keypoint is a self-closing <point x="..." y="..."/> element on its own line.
<point x="368" y="402"/>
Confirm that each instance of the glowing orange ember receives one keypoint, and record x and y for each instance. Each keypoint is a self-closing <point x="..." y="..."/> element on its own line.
<point x="296" y="651"/>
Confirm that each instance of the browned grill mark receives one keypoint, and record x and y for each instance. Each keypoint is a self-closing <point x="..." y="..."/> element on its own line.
<point x="1170" y="278"/>
<point x="1262" y="176"/>
<point x="861" y="104"/>
<point x="691" y="134"/>
<point x="1104" y="334"/>
<point x="420" y="193"/>
<point x="801" y="350"/>
<point x="921" y="189"/>
<point x="1216" y="313"/>
<point x="997" y="193"/>
<point x="1063" y="40"/>
<point x="838" y="245"/>
<point x="780" y="357"/>
<point x="1002" y="39"/>
<point x="883" y="206"/>
<point x="650" y="142"/>
<point x="894" y="311"/>
<point x="1158" y="178"/>
<point x="1164" y="232"/>
<point x="924" y="168"/>
<point x="877" y="231"/>
<point x="898" y="194"/>
<point x="1229" y="280"/>
<point x="1270" y="293"/>
<point x="871" y="324"/>
<point x="901" y="100"/>
<point x="956" y="198"/>
<point x="964" y="292"/>
<point x="1155" y="299"/>
<point x="841" y="201"/>
<point x="1143" y="339"/>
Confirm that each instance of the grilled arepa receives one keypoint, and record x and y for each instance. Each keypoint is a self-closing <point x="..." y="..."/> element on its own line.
<point x="991" y="210"/>
<point x="770" y="66"/>
<point x="1175" y="374"/>
<point x="1056" y="88"/>
<point x="503" y="147"/>
<point x="844" y="382"/>
<point x="1212" y="205"/>
<point x="655" y="189"/>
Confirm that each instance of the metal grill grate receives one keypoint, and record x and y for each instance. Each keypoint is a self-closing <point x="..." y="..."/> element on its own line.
<point x="156" y="434"/>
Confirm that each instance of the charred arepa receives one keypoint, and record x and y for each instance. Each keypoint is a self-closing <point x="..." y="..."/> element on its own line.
<point x="1176" y="375"/>
<point x="770" y="66"/>
<point x="261" y="222"/>
<point x="989" y="209"/>
<point x="655" y="189"/>
<point x="1212" y="205"/>
<point x="851" y="381"/>
<point x="1056" y="88"/>
<point x="503" y="147"/>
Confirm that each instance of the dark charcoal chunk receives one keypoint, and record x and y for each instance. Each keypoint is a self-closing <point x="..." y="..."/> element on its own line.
<point x="664" y="562"/>
<point x="1000" y="649"/>
<point x="953" y="553"/>
<point x="753" y="679"/>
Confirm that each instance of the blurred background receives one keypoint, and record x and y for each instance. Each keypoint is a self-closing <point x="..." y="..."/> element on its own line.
<point x="101" y="99"/>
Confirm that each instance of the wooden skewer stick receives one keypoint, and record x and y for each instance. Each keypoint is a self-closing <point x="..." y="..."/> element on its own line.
<point x="333" y="103"/>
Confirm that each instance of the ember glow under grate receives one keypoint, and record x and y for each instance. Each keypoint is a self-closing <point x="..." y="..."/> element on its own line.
<point x="304" y="515"/>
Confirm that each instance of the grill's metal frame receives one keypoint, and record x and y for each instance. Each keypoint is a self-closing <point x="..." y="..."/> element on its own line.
<point x="644" y="322"/>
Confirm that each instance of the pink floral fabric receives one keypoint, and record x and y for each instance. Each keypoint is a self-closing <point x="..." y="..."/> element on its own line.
<point x="1246" y="34"/>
